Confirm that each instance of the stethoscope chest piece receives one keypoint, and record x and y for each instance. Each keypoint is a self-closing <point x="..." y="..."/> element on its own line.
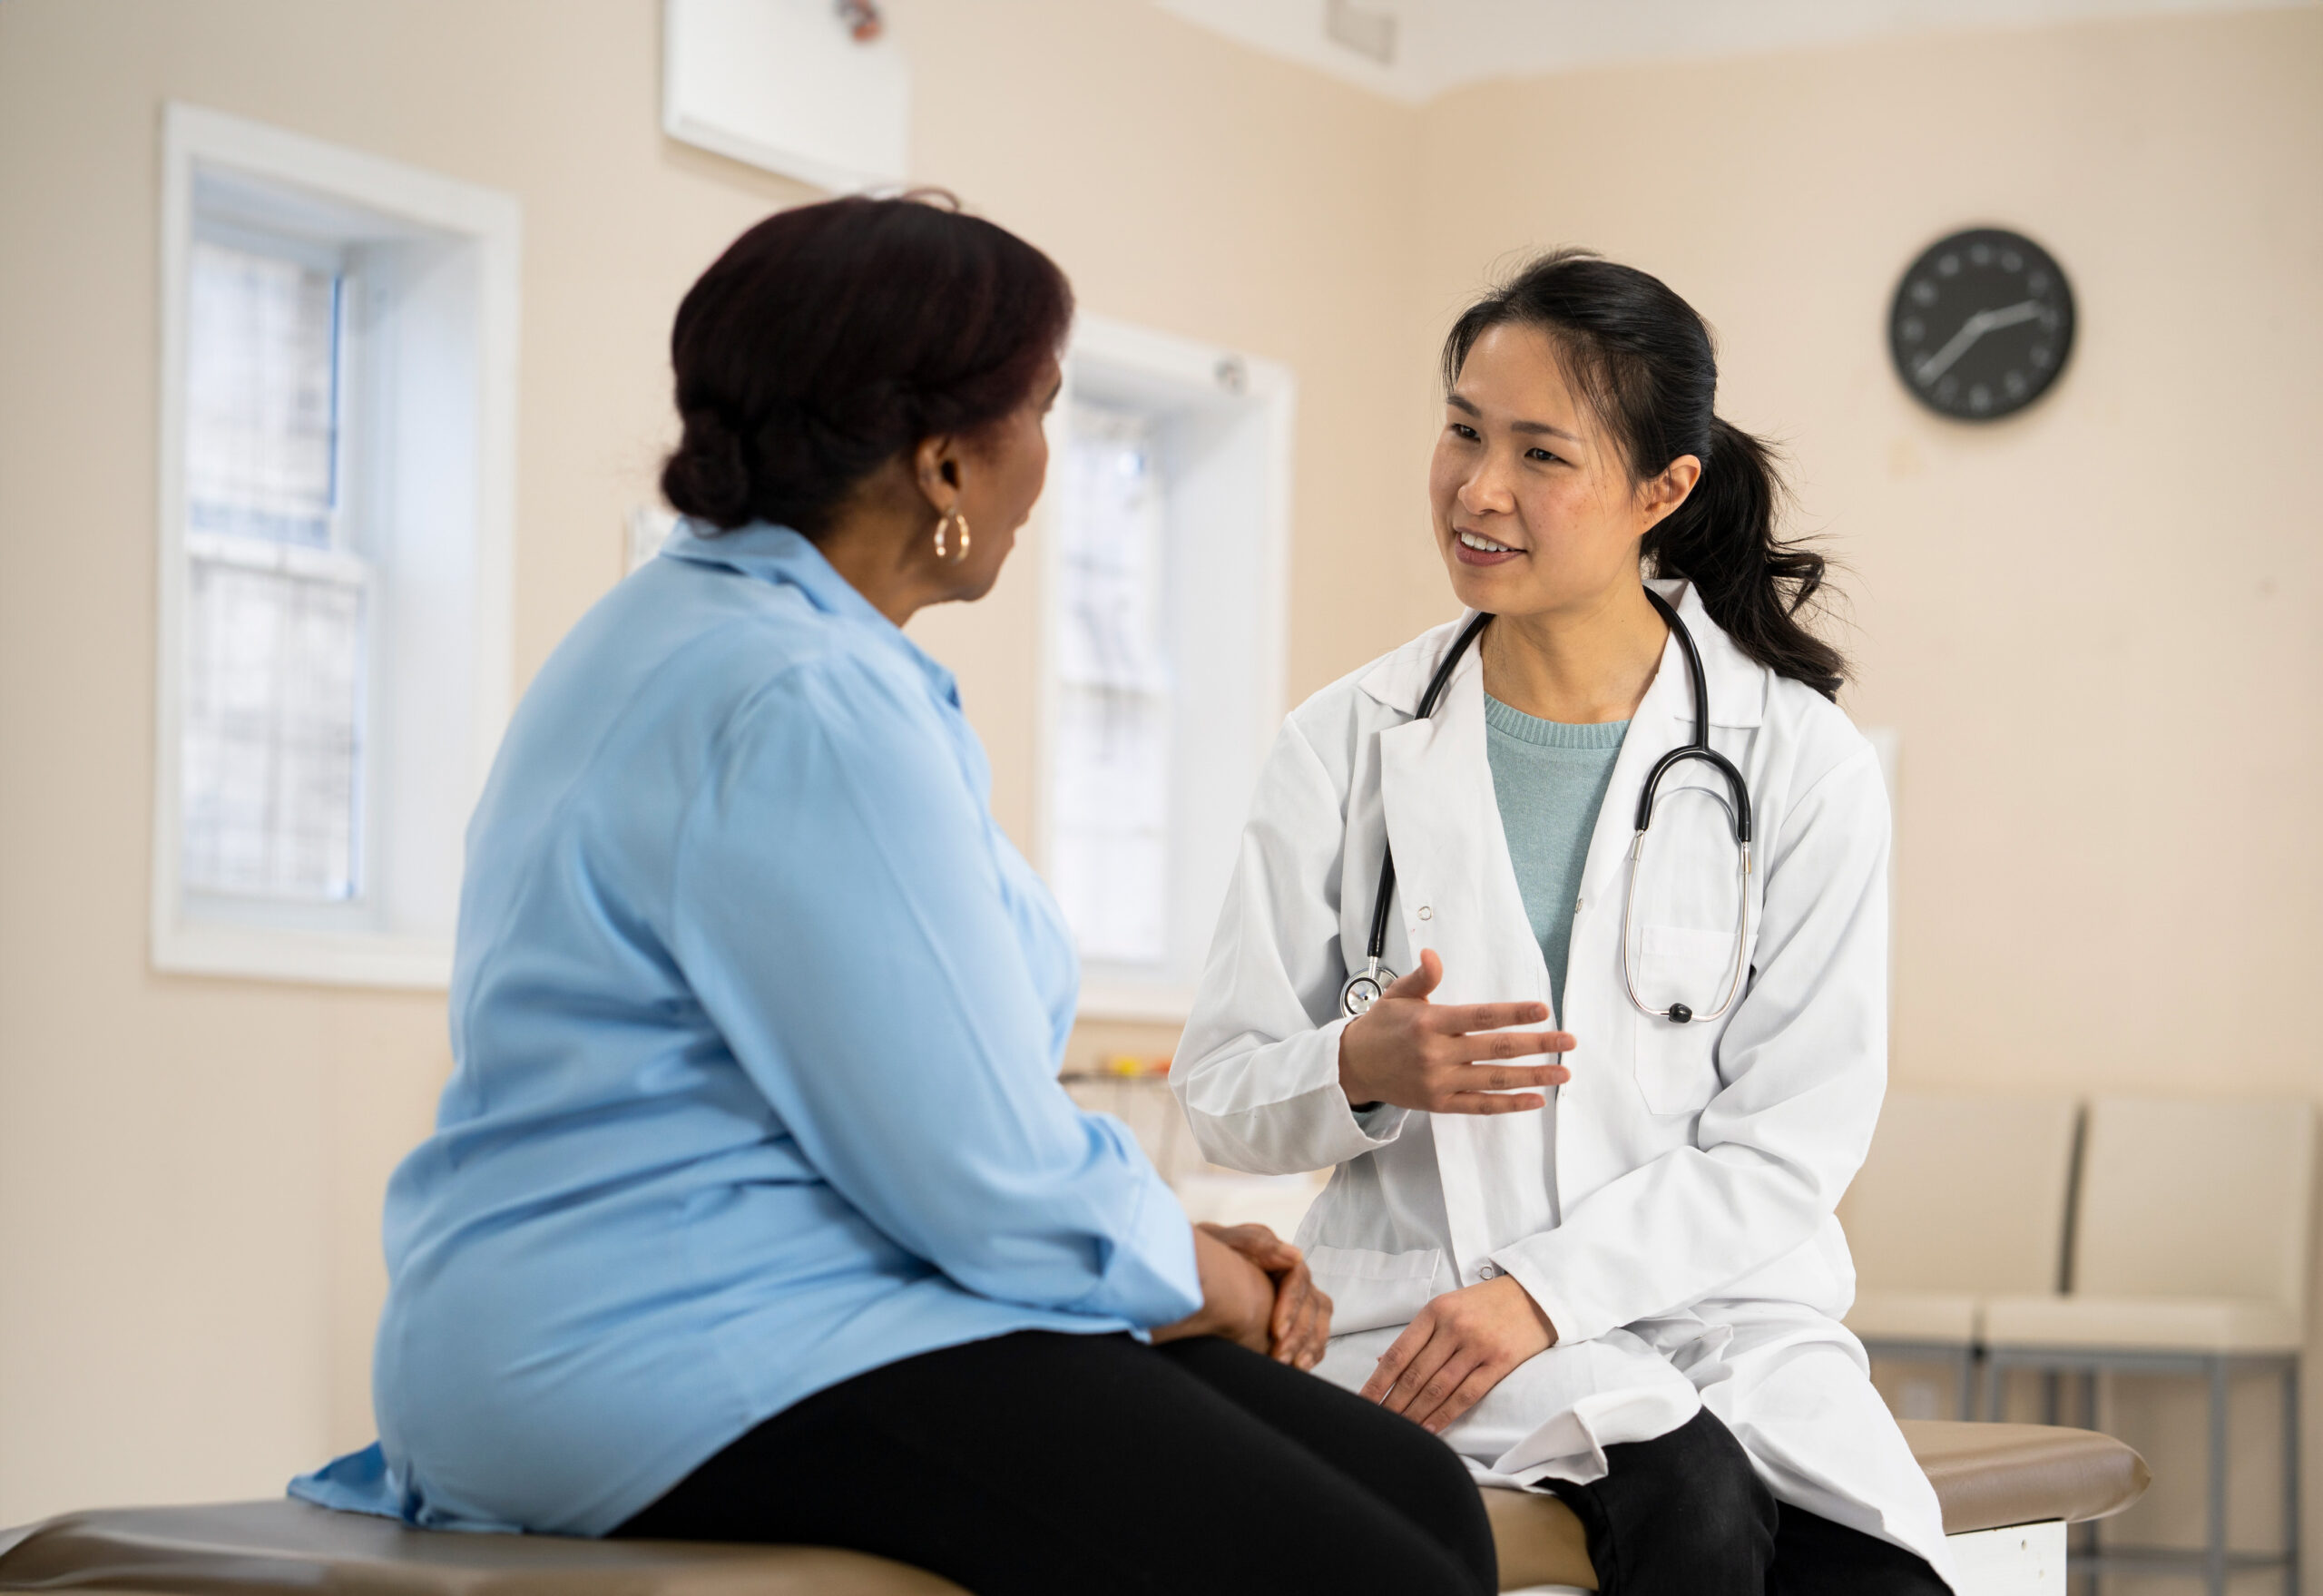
<point x="1366" y="988"/>
<point x="1359" y="993"/>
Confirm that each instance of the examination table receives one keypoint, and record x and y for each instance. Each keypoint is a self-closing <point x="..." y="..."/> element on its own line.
<point x="2008" y="1490"/>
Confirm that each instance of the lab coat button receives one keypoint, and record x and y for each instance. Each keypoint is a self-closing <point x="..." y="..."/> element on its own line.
<point x="1488" y="1272"/>
<point x="1425" y="912"/>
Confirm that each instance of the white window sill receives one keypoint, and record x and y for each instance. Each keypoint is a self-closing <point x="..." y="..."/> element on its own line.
<point x="329" y="958"/>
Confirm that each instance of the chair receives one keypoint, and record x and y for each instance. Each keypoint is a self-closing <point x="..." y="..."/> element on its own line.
<point x="1961" y="1198"/>
<point x="2007" y="1492"/>
<point x="2190" y="1257"/>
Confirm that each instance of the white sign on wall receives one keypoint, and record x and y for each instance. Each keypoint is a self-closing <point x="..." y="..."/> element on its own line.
<point x="787" y="85"/>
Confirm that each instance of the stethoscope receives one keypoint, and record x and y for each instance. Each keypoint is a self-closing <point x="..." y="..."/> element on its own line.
<point x="1363" y="990"/>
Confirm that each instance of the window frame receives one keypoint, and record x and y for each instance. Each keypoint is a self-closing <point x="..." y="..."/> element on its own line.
<point x="355" y="942"/>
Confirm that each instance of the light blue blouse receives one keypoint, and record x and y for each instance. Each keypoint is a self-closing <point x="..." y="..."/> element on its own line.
<point x="756" y="1017"/>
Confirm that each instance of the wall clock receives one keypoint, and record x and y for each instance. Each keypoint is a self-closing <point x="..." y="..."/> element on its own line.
<point x="1982" y="324"/>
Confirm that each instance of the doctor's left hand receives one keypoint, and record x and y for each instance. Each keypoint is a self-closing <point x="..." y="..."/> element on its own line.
<point x="1461" y="1344"/>
<point x="1301" y="1326"/>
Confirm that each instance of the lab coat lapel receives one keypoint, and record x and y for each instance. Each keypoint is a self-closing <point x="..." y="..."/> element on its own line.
<point x="1595" y="1105"/>
<point x="1457" y="892"/>
<point x="1662" y="720"/>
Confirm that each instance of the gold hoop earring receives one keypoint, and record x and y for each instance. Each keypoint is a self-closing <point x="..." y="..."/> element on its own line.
<point x="943" y="522"/>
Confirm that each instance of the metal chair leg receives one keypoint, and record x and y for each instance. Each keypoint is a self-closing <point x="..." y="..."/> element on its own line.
<point x="2290" y="1478"/>
<point x="2214" y="1552"/>
<point x="2092" y="1536"/>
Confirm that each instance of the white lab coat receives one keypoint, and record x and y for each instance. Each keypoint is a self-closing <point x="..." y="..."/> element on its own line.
<point x="1671" y="1209"/>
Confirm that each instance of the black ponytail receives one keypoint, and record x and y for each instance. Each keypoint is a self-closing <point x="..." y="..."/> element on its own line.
<point x="1644" y="361"/>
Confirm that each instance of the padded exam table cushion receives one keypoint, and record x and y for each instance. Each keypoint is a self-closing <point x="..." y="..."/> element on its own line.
<point x="1990" y="1476"/>
<point x="246" y="1548"/>
<point x="1985" y="1477"/>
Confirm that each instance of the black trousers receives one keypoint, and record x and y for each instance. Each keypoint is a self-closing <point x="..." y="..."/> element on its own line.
<point x="1685" y="1514"/>
<point x="1039" y="1462"/>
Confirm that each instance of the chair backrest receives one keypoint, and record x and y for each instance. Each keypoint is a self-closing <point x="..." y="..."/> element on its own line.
<point x="2196" y="1197"/>
<point x="1963" y="1194"/>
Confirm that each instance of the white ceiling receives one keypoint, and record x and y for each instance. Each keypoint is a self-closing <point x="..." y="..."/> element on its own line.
<point x="1441" y="44"/>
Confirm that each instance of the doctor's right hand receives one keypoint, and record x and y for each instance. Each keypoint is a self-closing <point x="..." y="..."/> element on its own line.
<point x="1448" y="1060"/>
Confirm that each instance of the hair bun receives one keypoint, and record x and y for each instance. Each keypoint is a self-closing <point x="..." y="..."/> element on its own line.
<point x="706" y="476"/>
<point x="830" y="340"/>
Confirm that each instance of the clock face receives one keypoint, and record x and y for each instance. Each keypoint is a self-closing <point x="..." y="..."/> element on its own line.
<point x="1982" y="324"/>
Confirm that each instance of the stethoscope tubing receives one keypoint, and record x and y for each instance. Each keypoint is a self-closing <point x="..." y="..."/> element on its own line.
<point x="1364" y="989"/>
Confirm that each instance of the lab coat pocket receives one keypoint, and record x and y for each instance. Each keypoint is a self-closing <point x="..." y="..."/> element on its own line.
<point x="1677" y="1066"/>
<point x="1370" y="1291"/>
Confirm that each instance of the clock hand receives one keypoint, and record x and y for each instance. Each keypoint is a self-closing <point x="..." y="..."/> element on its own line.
<point x="1974" y="327"/>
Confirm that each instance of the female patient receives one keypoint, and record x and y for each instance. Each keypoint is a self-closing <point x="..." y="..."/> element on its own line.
<point x="754" y="1211"/>
<point x="1618" y="1277"/>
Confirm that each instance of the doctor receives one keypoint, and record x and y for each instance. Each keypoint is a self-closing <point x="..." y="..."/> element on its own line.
<point x="1614" y="1273"/>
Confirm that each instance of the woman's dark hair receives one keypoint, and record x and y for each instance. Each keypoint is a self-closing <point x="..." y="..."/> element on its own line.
<point x="1643" y="362"/>
<point x="828" y="339"/>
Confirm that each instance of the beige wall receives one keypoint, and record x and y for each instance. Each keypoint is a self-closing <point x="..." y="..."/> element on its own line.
<point x="2092" y="625"/>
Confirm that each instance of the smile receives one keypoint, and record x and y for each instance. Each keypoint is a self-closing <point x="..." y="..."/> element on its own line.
<point x="1475" y="549"/>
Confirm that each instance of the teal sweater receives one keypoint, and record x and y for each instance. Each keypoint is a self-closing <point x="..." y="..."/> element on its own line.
<point x="1549" y="779"/>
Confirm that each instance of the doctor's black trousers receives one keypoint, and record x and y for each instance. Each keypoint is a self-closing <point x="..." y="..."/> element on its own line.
<point x="1686" y="1512"/>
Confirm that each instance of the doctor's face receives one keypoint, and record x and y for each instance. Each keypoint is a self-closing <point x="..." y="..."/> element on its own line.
<point x="1535" y="510"/>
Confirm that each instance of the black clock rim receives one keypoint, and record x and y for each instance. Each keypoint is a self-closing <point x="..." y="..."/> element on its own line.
<point x="1961" y="237"/>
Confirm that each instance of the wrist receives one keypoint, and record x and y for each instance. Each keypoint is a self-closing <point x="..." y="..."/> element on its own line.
<point x="1245" y="1309"/>
<point x="1360" y="1093"/>
<point x="1237" y="1297"/>
<point x="1531" y="1305"/>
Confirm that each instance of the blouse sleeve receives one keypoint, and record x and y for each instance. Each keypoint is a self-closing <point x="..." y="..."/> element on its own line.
<point x="838" y="911"/>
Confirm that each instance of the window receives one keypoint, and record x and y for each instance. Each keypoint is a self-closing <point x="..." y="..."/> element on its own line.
<point x="1167" y="523"/>
<point x="338" y="344"/>
<point x="276" y="598"/>
<point x="1109" y="842"/>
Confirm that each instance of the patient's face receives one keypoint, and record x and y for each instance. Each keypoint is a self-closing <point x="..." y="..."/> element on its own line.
<point x="1522" y="468"/>
<point x="1007" y="468"/>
